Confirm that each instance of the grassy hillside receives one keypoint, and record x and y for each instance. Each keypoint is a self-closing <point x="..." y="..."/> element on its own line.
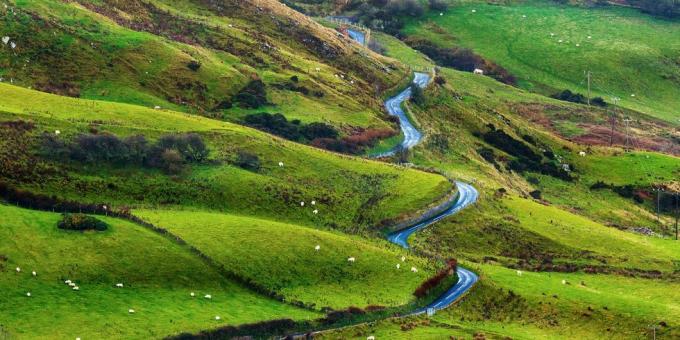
<point x="352" y="194"/>
<point x="633" y="56"/>
<point x="282" y="258"/>
<point x="158" y="277"/>
<point x="195" y="56"/>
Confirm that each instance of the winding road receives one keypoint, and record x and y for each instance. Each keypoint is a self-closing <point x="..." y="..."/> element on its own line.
<point x="467" y="194"/>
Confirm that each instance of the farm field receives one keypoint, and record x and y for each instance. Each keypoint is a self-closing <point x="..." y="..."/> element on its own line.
<point x="158" y="277"/>
<point x="630" y="54"/>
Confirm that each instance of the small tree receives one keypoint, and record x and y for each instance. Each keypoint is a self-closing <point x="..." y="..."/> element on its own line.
<point x="172" y="161"/>
<point x="248" y="161"/>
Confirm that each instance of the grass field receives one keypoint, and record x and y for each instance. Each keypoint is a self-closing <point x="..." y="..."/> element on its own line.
<point x="281" y="258"/>
<point x="158" y="277"/>
<point x="631" y="55"/>
<point x="338" y="182"/>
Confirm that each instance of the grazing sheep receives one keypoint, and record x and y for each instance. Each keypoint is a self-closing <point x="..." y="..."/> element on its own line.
<point x="317" y="69"/>
<point x="519" y="273"/>
<point x="5" y="40"/>
<point x="552" y="34"/>
<point x="76" y="288"/>
<point x="280" y="164"/>
<point x="302" y="204"/>
<point x="34" y="273"/>
<point x="403" y="258"/>
<point x="77" y="338"/>
<point x="316" y="211"/>
<point x="317" y="247"/>
<point x="119" y="285"/>
<point x="440" y="13"/>
<point x="560" y="41"/>
<point x="192" y="294"/>
<point x="28" y="294"/>
<point x="18" y="270"/>
<point x="398" y="265"/>
<point x="414" y="269"/>
<point x="313" y="202"/>
<point x="13" y="45"/>
<point x="564" y="282"/>
<point x="208" y="296"/>
<point x="72" y="284"/>
<point x="217" y="317"/>
<point x="479" y="71"/>
<point x="68" y="282"/>
<point x="157" y="107"/>
<point x="589" y="37"/>
<point x="578" y="45"/>
<point x="474" y="11"/>
<point x="57" y="132"/>
<point x="351" y="259"/>
<point x="370" y="337"/>
<point x="131" y="311"/>
<point x="582" y="153"/>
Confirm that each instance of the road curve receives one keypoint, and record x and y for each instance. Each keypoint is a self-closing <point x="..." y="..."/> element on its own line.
<point x="467" y="194"/>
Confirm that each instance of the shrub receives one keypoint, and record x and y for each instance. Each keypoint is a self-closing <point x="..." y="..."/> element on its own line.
<point x="276" y="124"/>
<point x="81" y="222"/>
<point x="194" y="65"/>
<point x="417" y="95"/>
<point x="253" y="95"/>
<point x="319" y="130"/>
<point x="438" y="5"/>
<point x="536" y="194"/>
<point x="171" y="161"/>
<point x="247" y="160"/>
<point x="427" y="286"/>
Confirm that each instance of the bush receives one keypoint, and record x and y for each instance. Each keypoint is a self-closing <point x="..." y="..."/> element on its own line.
<point x="275" y="124"/>
<point x="438" y="5"/>
<point x="536" y="194"/>
<point x="247" y="160"/>
<point x="427" y="286"/>
<point x="171" y="161"/>
<point x="81" y="222"/>
<point x="319" y="130"/>
<point x="194" y="65"/>
<point x="417" y="95"/>
<point x="253" y="96"/>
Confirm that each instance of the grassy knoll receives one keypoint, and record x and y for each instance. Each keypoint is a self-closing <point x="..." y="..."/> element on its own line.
<point x="194" y="57"/>
<point x="337" y="182"/>
<point x="158" y="276"/>
<point x="631" y="55"/>
<point x="281" y="258"/>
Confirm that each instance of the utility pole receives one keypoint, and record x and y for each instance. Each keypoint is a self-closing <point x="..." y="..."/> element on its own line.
<point x="612" y="119"/>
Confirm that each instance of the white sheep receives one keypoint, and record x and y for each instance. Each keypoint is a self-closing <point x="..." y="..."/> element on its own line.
<point x="589" y="37"/>
<point x="564" y="282"/>
<point x="57" y="132"/>
<point x="208" y="296"/>
<point x="474" y="11"/>
<point x="131" y="311"/>
<point x="317" y="247"/>
<point x="582" y="153"/>
<point x="398" y="265"/>
<point x="217" y="317"/>
<point x="317" y="69"/>
<point x="578" y="45"/>
<point x="76" y="288"/>
<point x="441" y="14"/>
<point x="315" y="211"/>
<point x="192" y="294"/>
<point x="478" y="71"/>
<point x="72" y="284"/>
<point x="414" y="269"/>
<point x="157" y="107"/>
<point x="370" y="337"/>
<point x="560" y="41"/>
<point x="13" y="45"/>
<point x="351" y="259"/>
<point x="34" y="273"/>
<point x="77" y="338"/>
<point x="28" y="294"/>
<point x="5" y="40"/>
<point x="302" y="204"/>
<point x="519" y="273"/>
<point x="403" y="258"/>
<point x="68" y="282"/>
<point x="313" y="202"/>
<point x="119" y="285"/>
<point x="280" y="164"/>
<point x="18" y="270"/>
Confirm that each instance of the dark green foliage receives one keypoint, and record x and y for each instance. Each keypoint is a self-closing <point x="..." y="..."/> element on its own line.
<point x="665" y="8"/>
<point x="536" y="194"/>
<point x="81" y="222"/>
<point x="438" y="5"/>
<point x="387" y="15"/>
<point x="319" y="130"/>
<point x="253" y="96"/>
<point x="194" y="65"/>
<point x="417" y="95"/>
<point x="434" y="281"/>
<point x="248" y="160"/>
<point x="463" y="59"/>
<point x="573" y="97"/>
<point x="190" y="146"/>
<point x="276" y="124"/>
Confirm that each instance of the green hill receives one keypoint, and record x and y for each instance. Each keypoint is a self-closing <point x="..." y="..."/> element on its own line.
<point x="158" y="276"/>
<point x="632" y="55"/>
